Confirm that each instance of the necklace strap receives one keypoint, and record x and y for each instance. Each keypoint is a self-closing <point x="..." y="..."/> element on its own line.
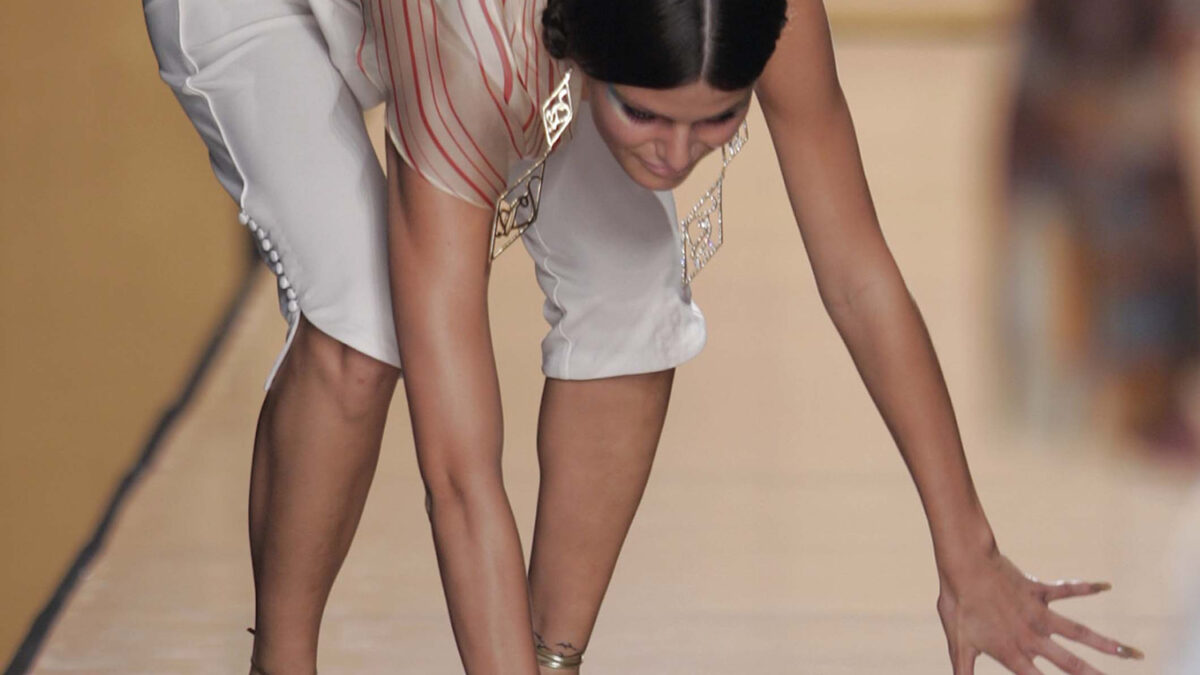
<point x="702" y="231"/>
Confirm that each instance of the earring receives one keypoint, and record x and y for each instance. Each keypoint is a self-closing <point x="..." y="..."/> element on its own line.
<point x="701" y="242"/>
<point x="517" y="207"/>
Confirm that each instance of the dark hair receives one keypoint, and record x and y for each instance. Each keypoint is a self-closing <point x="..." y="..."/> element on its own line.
<point x="660" y="44"/>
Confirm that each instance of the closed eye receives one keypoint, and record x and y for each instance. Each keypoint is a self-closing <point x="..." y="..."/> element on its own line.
<point x="638" y="115"/>
<point x="722" y="118"/>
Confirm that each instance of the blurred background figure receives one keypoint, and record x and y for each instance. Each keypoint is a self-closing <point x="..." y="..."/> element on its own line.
<point x="1100" y="296"/>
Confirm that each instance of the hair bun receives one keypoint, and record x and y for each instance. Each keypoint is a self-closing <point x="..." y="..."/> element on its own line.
<point x="554" y="30"/>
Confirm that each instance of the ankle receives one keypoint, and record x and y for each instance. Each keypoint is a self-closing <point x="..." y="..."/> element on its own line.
<point x="260" y="666"/>
<point x="273" y="661"/>
<point x="561" y="657"/>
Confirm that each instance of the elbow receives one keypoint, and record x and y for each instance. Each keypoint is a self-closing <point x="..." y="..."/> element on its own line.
<point x="842" y="298"/>
<point x="852" y="296"/>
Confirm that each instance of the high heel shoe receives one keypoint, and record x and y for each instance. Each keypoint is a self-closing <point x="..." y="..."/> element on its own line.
<point x="255" y="669"/>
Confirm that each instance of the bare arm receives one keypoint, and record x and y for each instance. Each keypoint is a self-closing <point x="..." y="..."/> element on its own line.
<point x="438" y="261"/>
<point x="986" y="604"/>
<point x="859" y="282"/>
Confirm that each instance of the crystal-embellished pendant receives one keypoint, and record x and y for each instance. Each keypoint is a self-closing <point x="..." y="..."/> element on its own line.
<point x="517" y="208"/>
<point x="702" y="232"/>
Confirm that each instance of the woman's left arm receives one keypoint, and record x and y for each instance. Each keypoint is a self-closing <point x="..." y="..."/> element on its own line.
<point x="986" y="604"/>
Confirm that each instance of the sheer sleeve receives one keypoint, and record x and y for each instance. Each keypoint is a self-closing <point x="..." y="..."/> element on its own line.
<point x="463" y="81"/>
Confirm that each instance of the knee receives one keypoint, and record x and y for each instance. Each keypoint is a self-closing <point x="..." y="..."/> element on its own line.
<point x="364" y="383"/>
<point x="357" y="383"/>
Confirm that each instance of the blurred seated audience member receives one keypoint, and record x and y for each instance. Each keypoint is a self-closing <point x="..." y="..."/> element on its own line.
<point x="1100" y="275"/>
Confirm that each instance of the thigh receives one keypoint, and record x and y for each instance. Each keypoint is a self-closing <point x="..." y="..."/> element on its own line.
<point x="286" y="138"/>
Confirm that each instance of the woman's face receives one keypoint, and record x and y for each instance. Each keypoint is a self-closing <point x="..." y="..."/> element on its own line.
<point x="658" y="135"/>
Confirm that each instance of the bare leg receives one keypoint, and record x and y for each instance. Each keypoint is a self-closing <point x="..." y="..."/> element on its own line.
<point x="314" y="458"/>
<point x="596" y="443"/>
<point x="438" y="253"/>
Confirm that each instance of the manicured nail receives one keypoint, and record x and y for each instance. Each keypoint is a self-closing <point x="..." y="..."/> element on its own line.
<point x="1129" y="653"/>
<point x="1102" y="586"/>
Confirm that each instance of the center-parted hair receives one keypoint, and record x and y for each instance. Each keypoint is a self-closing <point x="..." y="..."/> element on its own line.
<point x="661" y="44"/>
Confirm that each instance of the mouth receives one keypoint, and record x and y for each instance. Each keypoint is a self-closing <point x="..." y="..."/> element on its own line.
<point x="661" y="171"/>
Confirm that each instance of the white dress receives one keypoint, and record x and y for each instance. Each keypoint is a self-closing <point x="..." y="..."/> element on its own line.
<point x="276" y="89"/>
<point x="464" y="81"/>
<point x="276" y="93"/>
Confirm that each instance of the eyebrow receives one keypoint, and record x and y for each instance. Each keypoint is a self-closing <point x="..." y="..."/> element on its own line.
<point x="621" y="99"/>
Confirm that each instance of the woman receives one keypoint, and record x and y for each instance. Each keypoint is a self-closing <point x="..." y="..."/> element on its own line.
<point x="255" y="77"/>
<point x="276" y="90"/>
<point x="665" y="83"/>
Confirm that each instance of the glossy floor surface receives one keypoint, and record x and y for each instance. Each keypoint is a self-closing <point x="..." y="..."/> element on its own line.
<point x="780" y="531"/>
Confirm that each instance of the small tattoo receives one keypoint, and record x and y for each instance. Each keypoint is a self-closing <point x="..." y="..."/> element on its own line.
<point x="541" y="642"/>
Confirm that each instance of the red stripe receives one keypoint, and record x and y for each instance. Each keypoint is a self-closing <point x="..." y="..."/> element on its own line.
<point x="504" y="60"/>
<point x="392" y="77"/>
<point x="529" y="120"/>
<point x="550" y="74"/>
<point x="411" y="155"/>
<point x="421" y="110"/>
<point x="530" y="85"/>
<point x="487" y="81"/>
<point x="525" y="35"/>
<point x="450" y="99"/>
<point x="513" y="27"/>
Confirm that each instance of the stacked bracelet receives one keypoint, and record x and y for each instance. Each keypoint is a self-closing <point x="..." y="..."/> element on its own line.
<point x="554" y="661"/>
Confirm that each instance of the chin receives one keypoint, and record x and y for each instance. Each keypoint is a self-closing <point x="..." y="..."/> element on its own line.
<point x="652" y="181"/>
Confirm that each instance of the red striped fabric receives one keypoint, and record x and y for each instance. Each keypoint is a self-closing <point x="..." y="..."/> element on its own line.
<point x="464" y="80"/>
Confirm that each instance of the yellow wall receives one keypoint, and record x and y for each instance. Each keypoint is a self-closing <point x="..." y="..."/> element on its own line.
<point x="118" y="251"/>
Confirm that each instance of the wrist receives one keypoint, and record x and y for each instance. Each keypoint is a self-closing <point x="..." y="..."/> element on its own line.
<point x="964" y="555"/>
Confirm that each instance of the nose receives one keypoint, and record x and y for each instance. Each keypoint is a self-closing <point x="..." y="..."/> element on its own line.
<point x="677" y="150"/>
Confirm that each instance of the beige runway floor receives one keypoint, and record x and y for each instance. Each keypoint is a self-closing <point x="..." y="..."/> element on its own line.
<point x="780" y="531"/>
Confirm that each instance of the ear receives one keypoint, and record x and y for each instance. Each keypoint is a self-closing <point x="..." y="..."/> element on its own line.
<point x="586" y="82"/>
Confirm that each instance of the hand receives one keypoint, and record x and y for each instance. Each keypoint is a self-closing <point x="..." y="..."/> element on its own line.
<point x="993" y="608"/>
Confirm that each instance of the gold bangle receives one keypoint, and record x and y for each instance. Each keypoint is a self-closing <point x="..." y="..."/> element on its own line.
<point x="554" y="661"/>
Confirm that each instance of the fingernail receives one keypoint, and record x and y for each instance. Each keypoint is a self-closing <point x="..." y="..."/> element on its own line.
<point x="1102" y="586"/>
<point x="1129" y="653"/>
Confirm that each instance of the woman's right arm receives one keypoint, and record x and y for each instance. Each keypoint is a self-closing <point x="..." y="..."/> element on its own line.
<point x="438" y="255"/>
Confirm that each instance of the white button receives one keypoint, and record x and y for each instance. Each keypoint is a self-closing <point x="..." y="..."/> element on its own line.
<point x="284" y="283"/>
<point x="244" y="218"/>
<point x="291" y="294"/>
<point x="274" y="256"/>
<point x="262" y="234"/>
<point x="266" y="244"/>
<point x="292" y="306"/>
<point x="278" y="268"/>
